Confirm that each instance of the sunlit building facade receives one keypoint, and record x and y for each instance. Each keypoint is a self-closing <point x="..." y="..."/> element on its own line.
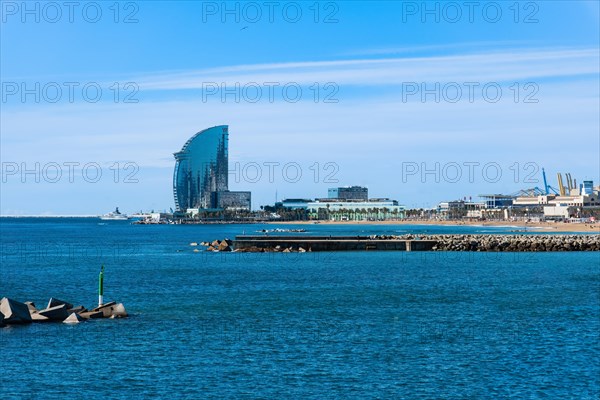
<point x="349" y="193"/>
<point x="201" y="169"/>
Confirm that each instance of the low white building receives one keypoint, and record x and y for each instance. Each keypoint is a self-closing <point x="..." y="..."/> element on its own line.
<point x="380" y="209"/>
<point x="558" y="211"/>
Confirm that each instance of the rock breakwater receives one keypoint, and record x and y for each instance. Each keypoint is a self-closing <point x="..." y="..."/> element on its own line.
<point x="411" y="242"/>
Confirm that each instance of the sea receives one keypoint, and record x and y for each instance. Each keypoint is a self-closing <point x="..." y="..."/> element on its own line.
<point x="343" y="325"/>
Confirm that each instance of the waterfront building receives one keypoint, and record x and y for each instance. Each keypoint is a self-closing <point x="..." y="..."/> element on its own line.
<point x="293" y="204"/>
<point x="457" y="209"/>
<point x="347" y="193"/>
<point x="238" y="201"/>
<point x="497" y="200"/>
<point x="337" y="210"/>
<point x="356" y="210"/>
<point x="200" y="178"/>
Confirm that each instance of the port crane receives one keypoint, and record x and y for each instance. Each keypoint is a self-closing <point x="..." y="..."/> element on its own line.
<point x="548" y="188"/>
<point x="536" y="191"/>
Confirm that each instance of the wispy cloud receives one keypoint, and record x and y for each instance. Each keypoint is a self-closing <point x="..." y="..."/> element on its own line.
<point x="502" y="66"/>
<point x="466" y="47"/>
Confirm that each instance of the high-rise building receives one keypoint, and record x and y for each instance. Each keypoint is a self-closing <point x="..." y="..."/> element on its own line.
<point x="587" y="187"/>
<point x="201" y="169"/>
<point x="349" y="193"/>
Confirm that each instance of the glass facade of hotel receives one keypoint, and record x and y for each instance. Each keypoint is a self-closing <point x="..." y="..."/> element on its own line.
<point x="201" y="169"/>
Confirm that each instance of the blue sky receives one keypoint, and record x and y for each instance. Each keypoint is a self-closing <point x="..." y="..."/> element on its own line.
<point x="408" y="100"/>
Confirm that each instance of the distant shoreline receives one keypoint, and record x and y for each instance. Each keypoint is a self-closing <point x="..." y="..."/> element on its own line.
<point x="517" y="225"/>
<point x="533" y="226"/>
<point x="49" y="216"/>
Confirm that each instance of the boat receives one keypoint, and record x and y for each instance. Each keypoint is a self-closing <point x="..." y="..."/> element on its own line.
<point x="114" y="216"/>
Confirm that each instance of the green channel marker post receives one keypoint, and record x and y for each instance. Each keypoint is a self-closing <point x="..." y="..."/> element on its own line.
<point x="101" y="287"/>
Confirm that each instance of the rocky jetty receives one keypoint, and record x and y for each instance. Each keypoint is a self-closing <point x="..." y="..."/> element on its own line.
<point x="410" y="242"/>
<point x="515" y="243"/>
<point x="13" y="312"/>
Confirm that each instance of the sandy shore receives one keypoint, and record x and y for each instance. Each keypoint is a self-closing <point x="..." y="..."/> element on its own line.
<point x="537" y="226"/>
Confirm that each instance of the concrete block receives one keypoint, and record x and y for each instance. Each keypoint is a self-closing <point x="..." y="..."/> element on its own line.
<point x="14" y="311"/>
<point x="77" y="309"/>
<point x="34" y="312"/>
<point x="106" y="309"/>
<point x="31" y="306"/>
<point x="36" y="317"/>
<point x="56" y="313"/>
<point x="56" y="302"/>
<point x="119" y="311"/>
<point x="92" y="314"/>
<point x="73" y="319"/>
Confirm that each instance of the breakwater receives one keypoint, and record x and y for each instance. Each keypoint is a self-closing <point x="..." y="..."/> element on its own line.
<point x="14" y="312"/>
<point x="516" y="242"/>
<point x="453" y="242"/>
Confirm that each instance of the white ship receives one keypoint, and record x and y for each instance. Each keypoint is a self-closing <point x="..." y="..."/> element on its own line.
<point x="114" y="216"/>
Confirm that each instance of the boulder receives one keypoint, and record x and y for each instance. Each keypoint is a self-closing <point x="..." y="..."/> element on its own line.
<point x="91" y="314"/>
<point x="56" y="302"/>
<point x="14" y="312"/>
<point x="1" y="320"/>
<point x="193" y="244"/>
<point x="56" y="313"/>
<point x="119" y="311"/>
<point x="73" y="319"/>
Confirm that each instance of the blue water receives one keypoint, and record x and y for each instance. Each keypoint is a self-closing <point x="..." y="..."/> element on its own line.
<point x="312" y="325"/>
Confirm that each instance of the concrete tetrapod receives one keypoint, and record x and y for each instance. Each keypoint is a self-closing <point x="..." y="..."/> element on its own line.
<point x="31" y="306"/>
<point x="56" y="302"/>
<point x="106" y="309"/>
<point x="56" y="313"/>
<point x="78" y="310"/>
<point x="74" y="318"/>
<point x="92" y="314"/>
<point x="119" y="311"/>
<point x="36" y="317"/>
<point x="14" y="311"/>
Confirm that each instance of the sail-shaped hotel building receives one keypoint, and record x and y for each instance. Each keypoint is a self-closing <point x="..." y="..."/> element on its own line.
<point x="200" y="179"/>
